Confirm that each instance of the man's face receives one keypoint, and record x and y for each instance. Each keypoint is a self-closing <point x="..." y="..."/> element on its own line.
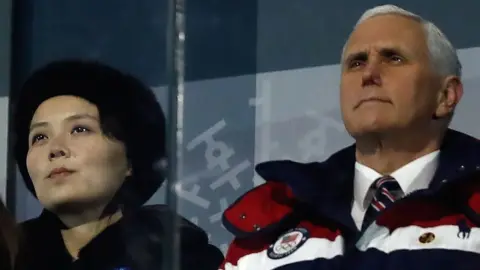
<point x="387" y="80"/>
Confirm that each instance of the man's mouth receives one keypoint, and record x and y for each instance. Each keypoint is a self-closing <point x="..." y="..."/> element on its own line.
<point x="373" y="99"/>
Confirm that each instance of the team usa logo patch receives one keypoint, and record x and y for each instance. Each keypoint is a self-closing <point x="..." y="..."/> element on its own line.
<point x="288" y="243"/>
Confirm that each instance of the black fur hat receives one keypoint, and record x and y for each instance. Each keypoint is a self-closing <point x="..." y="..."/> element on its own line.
<point x="129" y="112"/>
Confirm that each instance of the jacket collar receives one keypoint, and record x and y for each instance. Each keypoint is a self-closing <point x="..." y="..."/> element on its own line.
<point x="333" y="178"/>
<point x="328" y="186"/>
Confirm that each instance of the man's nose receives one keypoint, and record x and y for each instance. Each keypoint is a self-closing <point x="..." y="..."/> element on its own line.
<point x="372" y="73"/>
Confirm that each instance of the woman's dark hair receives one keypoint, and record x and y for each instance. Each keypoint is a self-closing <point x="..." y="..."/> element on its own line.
<point x="129" y="112"/>
<point x="9" y="239"/>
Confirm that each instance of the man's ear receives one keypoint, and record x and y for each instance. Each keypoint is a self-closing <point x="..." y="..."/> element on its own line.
<point x="449" y="96"/>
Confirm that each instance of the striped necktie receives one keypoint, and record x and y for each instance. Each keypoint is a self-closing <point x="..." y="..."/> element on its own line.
<point x="387" y="190"/>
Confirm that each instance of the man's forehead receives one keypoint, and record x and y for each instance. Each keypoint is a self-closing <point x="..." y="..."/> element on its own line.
<point x="385" y="22"/>
<point x="386" y="31"/>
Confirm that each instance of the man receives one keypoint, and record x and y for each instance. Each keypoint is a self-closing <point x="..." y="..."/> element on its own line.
<point x="404" y="196"/>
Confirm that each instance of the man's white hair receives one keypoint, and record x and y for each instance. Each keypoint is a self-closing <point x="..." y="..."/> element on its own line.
<point x="443" y="55"/>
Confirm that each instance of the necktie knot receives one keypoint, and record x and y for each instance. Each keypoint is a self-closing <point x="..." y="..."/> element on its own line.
<point x="387" y="190"/>
<point x="389" y="187"/>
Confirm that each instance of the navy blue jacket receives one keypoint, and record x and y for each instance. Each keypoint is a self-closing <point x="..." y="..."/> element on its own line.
<point x="301" y="217"/>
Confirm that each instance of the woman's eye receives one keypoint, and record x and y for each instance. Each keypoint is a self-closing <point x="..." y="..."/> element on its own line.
<point x="38" y="138"/>
<point x="80" y="130"/>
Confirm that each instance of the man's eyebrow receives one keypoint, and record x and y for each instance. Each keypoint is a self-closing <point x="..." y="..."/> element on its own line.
<point x="361" y="55"/>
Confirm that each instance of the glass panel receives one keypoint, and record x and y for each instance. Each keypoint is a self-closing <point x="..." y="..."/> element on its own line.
<point x="129" y="36"/>
<point x="219" y="116"/>
<point x="262" y="84"/>
<point x="5" y="84"/>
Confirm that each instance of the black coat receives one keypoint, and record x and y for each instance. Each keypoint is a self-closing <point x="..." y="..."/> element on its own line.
<point x="133" y="243"/>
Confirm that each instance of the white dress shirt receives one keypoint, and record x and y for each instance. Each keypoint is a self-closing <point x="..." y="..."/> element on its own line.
<point x="413" y="176"/>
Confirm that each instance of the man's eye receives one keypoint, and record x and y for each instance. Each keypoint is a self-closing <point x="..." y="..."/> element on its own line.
<point x="396" y="58"/>
<point x="355" y="63"/>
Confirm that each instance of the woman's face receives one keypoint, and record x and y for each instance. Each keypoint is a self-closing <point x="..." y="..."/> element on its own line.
<point x="70" y="160"/>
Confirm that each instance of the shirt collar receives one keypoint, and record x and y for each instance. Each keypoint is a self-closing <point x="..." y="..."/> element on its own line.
<point x="413" y="176"/>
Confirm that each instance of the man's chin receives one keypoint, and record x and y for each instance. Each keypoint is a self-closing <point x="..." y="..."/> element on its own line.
<point x="371" y="129"/>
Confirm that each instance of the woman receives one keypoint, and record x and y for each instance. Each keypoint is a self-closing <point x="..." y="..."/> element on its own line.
<point x="88" y="141"/>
